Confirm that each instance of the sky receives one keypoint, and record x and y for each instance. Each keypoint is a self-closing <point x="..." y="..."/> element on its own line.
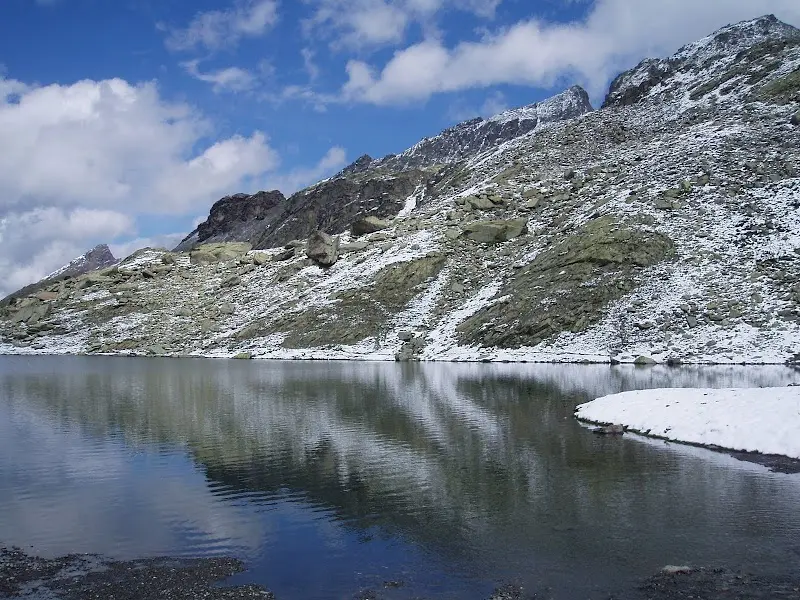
<point x="122" y="121"/>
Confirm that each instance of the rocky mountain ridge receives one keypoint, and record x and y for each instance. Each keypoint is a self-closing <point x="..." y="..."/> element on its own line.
<point x="97" y="258"/>
<point x="664" y="227"/>
<point x="267" y="219"/>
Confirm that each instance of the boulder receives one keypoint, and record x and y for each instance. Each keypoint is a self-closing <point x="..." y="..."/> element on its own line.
<point x="200" y="257"/>
<point x="243" y="356"/>
<point x="220" y="252"/>
<point x="491" y="232"/>
<point x="260" y="259"/>
<point x="480" y="203"/>
<point x="232" y="281"/>
<point x="795" y="120"/>
<point x="47" y="296"/>
<point x="353" y="246"/>
<point x="644" y="360"/>
<point x="610" y="430"/>
<point x="322" y="248"/>
<point x="368" y="225"/>
<point x="283" y="255"/>
<point x="226" y="308"/>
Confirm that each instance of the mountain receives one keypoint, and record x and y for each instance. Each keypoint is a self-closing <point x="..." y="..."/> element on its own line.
<point x="97" y="258"/>
<point x="267" y="219"/>
<point x="663" y="227"/>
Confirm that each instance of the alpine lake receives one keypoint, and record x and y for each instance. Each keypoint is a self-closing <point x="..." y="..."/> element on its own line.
<point x="384" y="480"/>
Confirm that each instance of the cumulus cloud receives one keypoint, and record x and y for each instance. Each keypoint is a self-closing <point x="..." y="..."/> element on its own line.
<point x="34" y="243"/>
<point x="494" y="104"/>
<point x="333" y="160"/>
<point x="614" y="35"/>
<point x="223" y="28"/>
<point x="90" y="157"/>
<point x="364" y="24"/>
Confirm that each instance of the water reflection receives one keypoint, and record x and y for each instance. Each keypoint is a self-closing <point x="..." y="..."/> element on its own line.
<point x="478" y="471"/>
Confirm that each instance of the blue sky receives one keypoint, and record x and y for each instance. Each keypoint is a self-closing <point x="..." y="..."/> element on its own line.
<point x="123" y="121"/>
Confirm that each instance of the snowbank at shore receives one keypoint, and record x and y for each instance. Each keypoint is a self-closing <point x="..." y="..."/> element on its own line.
<point x="765" y="420"/>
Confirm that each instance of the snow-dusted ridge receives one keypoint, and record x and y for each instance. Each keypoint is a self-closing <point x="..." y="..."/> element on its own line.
<point x="677" y="209"/>
<point x="763" y="420"/>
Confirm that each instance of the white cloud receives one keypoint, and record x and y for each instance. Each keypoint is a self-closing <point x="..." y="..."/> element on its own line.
<point x="90" y="157"/>
<point x="334" y="160"/>
<point x="222" y="28"/>
<point x="230" y="79"/>
<point x="614" y="35"/>
<point x="34" y="243"/>
<point x="365" y="24"/>
<point x="166" y="240"/>
<point x="494" y="104"/>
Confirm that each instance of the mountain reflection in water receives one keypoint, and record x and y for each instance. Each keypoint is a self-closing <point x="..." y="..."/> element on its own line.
<point x="330" y="477"/>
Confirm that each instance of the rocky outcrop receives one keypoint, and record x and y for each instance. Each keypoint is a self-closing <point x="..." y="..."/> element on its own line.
<point x="492" y="232"/>
<point x="237" y="218"/>
<point x="368" y="225"/>
<point x="566" y="288"/>
<point x="335" y="204"/>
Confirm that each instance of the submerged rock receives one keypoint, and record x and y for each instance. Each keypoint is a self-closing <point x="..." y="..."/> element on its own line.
<point x="609" y="430"/>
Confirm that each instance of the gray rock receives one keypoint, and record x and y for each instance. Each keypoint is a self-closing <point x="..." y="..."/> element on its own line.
<point x="644" y="360"/>
<point x="405" y="336"/>
<point x="156" y="349"/>
<point x="368" y="225"/>
<point x="452" y="233"/>
<point x="200" y="257"/>
<point x="243" y="356"/>
<point x="322" y="248"/>
<point x="283" y="255"/>
<point x="353" y="246"/>
<point x="492" y="232"/>
<point x="795" y="120"/>
<point x="226" y="308"/>
<point x="480" y="203"/>
<point x="232" y="281"/>
<point x="183" y="311"/>
<point x="260" y="259"/>
<point x="610" y="430"/>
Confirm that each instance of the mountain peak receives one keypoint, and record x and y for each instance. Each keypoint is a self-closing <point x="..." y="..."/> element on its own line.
<point x="724" y="57"/>
<point x="572" y="102"/>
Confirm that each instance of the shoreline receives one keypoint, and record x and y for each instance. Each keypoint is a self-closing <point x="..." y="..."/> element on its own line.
<point x="86" y="576"/>
<point x="338" y="357"/>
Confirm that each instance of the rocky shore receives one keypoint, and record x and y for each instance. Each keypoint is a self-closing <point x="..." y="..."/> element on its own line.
<point x="87" y="577"/>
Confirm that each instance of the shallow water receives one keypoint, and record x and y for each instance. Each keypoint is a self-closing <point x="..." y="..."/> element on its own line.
<point x="330" y="478"/>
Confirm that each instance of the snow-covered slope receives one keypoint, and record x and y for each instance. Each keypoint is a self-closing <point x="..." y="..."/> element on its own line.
<point x="664" y="227"/>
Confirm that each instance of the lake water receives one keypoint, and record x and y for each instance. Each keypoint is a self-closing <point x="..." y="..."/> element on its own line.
<point x="331" y="478"/>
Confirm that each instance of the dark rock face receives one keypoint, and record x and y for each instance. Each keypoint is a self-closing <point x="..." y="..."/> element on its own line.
<point x="239" y="218"/>
<point x="336" y="204"/>
<point x="360" y="165"/>
<point x="735" y="57"/>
